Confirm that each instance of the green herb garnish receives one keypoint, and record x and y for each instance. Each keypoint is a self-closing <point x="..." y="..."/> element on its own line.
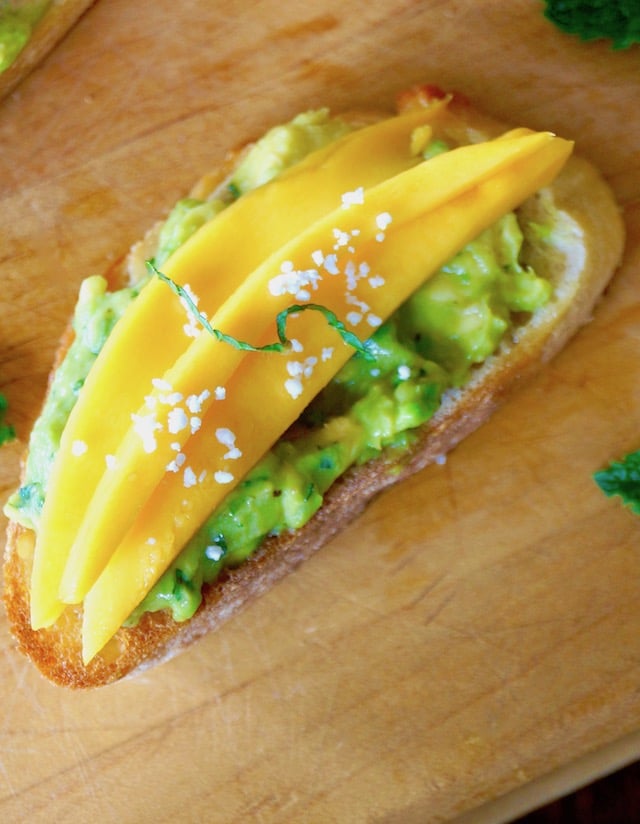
<point x="622" y="478"/>
<point x="7" y="432"/>
<point x="283" y="344"/>
<point x="615" y="20"/>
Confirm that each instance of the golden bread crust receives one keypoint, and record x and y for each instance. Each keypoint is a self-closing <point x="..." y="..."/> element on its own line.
<point x="579" y="261"/>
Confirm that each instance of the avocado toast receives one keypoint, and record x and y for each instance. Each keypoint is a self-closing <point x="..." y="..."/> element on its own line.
<point x="510" y="291"/>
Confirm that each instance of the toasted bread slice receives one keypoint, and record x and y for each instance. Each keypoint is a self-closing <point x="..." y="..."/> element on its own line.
<point x="579" y="259"/>
<point x="59" y="17"/>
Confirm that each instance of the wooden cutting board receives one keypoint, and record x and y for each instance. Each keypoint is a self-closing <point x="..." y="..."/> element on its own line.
<point x="477" y="631"/>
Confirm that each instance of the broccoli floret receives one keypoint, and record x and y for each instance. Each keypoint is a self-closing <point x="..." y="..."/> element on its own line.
<point x="616" y="20"/>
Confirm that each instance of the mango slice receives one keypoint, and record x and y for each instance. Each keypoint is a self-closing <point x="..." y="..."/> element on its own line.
<point x="151" y="335"/>
<point x="370" y="259"/>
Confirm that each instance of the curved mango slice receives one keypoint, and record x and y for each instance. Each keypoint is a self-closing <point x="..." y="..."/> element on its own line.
<point x="151" y="335"/>
<point x="404" y="231"/>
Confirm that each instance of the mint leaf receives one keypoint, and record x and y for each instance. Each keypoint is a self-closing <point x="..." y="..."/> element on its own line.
<point x="281" y="321"/>
<point x="622" y="478"/>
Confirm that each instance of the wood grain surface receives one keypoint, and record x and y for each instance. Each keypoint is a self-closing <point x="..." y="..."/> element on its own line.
<point x="479" y="627"/>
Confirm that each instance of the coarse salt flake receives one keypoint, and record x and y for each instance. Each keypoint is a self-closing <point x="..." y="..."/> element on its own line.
<point x="293" y="387"/>
<point x="194" y="298"/>
<point x="189" y="478"/>
<point x="404" y="372"/>
<point x="294" y="368"/>
<point x="192" y="327"/>
<point x="78" y="448"/>
<point x="195" y="402"/>
<point x="304" y="368"/>
<point x="309" y="366"/>
<point x="171" y="399"/>
<point x="220" y="393"/>
<point x="330" y="264"/>
<point x="222" y="477"/>
<point x="177" y="420"/>
<point x="111" y="461"/>
<point x="374" y="320"/>
<point x="383" y="220"/>
<point x="296" y="282"/>
<point x="176" y="463"/>
<point x="145" y="426"/>
<point x="341" y="238"/>
<point x="353" y="198"/>
<point x="355" y="301"/>
<point x="214" y="552"/>
<point x="225" y="436"/>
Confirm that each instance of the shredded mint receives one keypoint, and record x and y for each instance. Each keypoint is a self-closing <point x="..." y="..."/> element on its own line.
<point x="622" y="478"/>
<point x="283" y="344"/>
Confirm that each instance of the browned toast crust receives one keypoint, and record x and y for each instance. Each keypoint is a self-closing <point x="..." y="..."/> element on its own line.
<point x="580" y="268"/>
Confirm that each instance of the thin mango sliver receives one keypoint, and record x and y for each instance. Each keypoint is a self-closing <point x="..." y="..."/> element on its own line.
<point x="429" y="215"/>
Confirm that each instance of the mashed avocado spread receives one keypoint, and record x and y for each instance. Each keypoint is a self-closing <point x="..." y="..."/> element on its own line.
<point x="17" y="22"/>
<point x="457" y="319"/>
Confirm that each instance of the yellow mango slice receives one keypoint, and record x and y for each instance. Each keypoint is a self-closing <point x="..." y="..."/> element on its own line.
<point x="151" y="335"/>
<point x="143" y="458"/>
<point x="428" y="214"/>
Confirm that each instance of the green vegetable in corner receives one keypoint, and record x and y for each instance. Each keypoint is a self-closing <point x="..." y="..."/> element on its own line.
<point x="615" y="20"/>
<point x="622" y="478"/>
<point x="18" y="18"/>
<point x="7" y="432"/>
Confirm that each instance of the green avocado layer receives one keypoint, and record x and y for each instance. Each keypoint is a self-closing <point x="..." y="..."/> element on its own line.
<point x="456" y="320"/>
